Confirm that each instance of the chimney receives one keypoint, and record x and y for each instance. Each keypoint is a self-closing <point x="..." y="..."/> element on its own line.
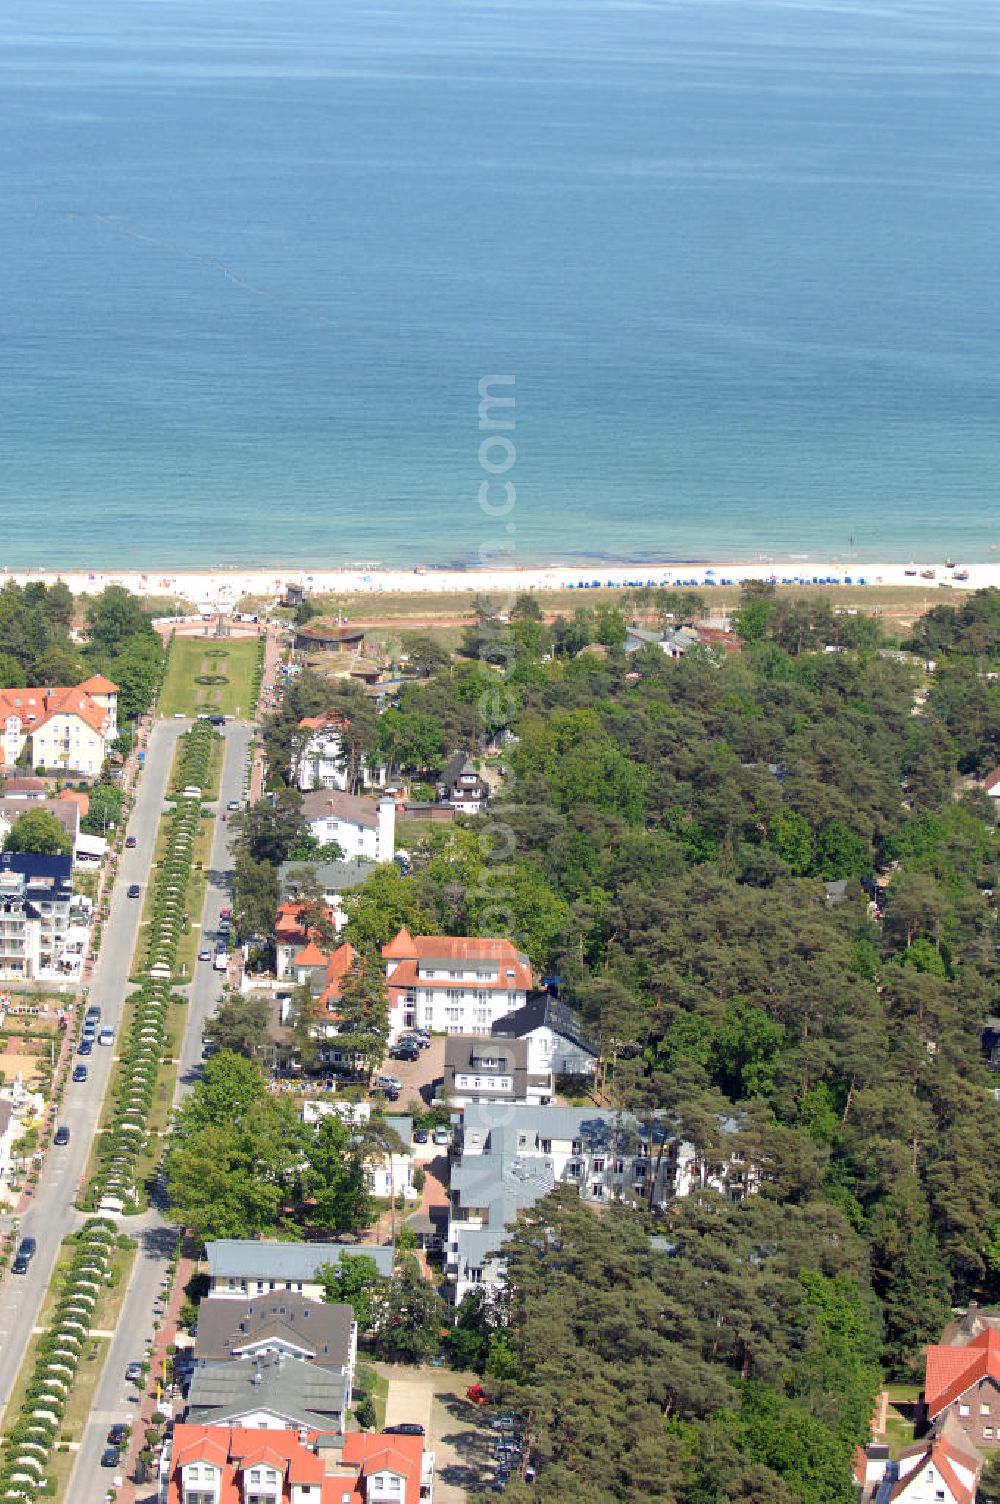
<point x="386" y="838"/>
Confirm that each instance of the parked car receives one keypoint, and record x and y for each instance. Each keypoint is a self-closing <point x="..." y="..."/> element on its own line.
<point x="106" y="1036"/>
<point x="79" y="1073"/>
<point x="404" y="1052"/>
<point x="118" y="1434"/>
<point x="204" y="955"/>
<point x="420" y="1135"/>
<point x="85" y="1047"/>
<point x="233" y="805"/>
<point x="442" y="1136"/>
<point x="62" y="1135"/>
<point x="385" y="1081"/>
<point x="130" y="842"/>
<point x="26" y="1252"/>
<point x="111" y="1457"/>
<point x="133" y="1373"/>
<point x="93" y="1013"/>
<point x="477" y="1394"/>
<point x="134" y="890"/>
<point x="405" y="1428"/>
<point x="225" y="913"/>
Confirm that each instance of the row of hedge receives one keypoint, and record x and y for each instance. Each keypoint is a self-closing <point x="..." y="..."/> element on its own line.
<point x="33" y="1435"/>
<point x="121" y="1144"/>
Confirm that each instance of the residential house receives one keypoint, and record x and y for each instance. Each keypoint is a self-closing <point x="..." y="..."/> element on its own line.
<point x="942" y="1468"/>
<point x="962" y="1379"/>
<point x="69" y="729"/>
<point x="271" y="1393"/>
<point x="674" y="641"/>
<point x="508" y="1161"/>
<point x="558" y="1044"/>
<point x="388" y="1174"/>
<point x="991" y="784"/>
<point x="322" y="759"/>
<point x="360" y="827"/>
<point x="477" y="1069"/>
<point x="279" y="1323"/>
<point x="323" y="974"/>
<point x="36" y="894"/>
<point x="243" y="1465"/>
<point x="461" y="786"/>
<point x="241" y="1267"/>
<point x="452" y="985"/>
<point x="66" y="811"/>
<point x="331" y="879"/>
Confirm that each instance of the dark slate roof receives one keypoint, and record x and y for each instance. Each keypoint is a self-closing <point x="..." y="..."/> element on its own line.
<point x="331" y="877"/>
<point x="45" y="876"/>
<point x="543" y="1010"/>
<point x="227" y="1324"/>
<point x="300" y="1392"/>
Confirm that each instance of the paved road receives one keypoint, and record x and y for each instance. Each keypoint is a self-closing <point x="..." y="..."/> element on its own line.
<point x="52" y="1216"/>
<point x="115" y="1400"/>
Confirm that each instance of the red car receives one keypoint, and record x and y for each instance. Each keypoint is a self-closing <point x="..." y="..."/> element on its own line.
<point x="477" y="1394"/>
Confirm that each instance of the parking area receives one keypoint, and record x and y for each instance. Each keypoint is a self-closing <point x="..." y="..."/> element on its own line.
<point x="458" y="1432"/>
<point x="418" y="1076"/>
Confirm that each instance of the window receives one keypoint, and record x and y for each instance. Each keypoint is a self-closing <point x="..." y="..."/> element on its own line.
<point x="988" y="1431"/>
<point x="963" y="1409"/>
<point x="573" y="1168"/>
<point x="598" y="1166"/>
<point x="984" y="1410"/>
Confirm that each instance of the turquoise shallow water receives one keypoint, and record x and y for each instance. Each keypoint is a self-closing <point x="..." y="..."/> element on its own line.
<point x="740" y="257"/>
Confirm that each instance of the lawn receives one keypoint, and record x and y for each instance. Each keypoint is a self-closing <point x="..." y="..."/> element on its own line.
<point x="231" y="659"/>
<point x="903" y="1409"/>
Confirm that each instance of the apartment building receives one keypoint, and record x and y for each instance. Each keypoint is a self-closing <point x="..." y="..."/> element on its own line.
<point x="453" y="985"/>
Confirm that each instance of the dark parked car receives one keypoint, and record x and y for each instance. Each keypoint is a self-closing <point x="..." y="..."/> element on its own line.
<point x="420" y="1135"/>
<point x="118" y="1434"/>
<point x="111" y="1456"/>
<point x="130" y="842"/>
<point x="79" y="1073"/>
<point x="25" y="1253"/>
<point x="93" y="1013"/>
<point x="404" y="1052"/>
<point x="405" y="1428"/>
<point x="62" y="1135"/>
<point x="85" y="1047"/>
<point x="133" y="1372"/>
<point x="134" y="890"/>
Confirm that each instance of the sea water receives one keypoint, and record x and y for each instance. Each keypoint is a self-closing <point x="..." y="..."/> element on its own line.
<point x="257" y="255"/>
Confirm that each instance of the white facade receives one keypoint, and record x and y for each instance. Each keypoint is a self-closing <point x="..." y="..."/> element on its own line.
<point x="322" y="762"/>
<point x="371" y="837"/>
<point x="551" y="1052"/>
<point x="66" y="741"/>
<point x="921" y="1481"/>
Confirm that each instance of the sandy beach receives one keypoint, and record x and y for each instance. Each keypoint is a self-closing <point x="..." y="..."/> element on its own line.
<point x="221" y="589"/>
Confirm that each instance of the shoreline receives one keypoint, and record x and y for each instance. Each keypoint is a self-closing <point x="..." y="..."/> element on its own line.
<point x="220" y="588"/>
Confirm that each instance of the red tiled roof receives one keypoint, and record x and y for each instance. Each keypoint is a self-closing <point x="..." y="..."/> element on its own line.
<point x="288" y="925"/>
<point x="43" y="704"/>
<point x="407" y="974"/>
<point x="311" y="955"/>
<point x="952" y="1370"/>
<point x="992" y="779"/>
<point x="337" y="968"/>
<point x="77" y="797"/>
<point x="400" y="1454"/>
<point x="451" y="948"/>
<point x="943" y="1456"/>
<point x="97" y="684"/>
<point x="236" y="1448"/>
<point x="330" y="718"/>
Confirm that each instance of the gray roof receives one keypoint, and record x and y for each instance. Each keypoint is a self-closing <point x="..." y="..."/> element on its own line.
<point x="66" y="811"/>
<point x="541" y="1010"/>
<point x="331" y="877"/>
<point x="248" y="1258"/>
<point x="300" y="1392"/>
<point x="226" y="1327"/>
<point x="461" y="1049"/>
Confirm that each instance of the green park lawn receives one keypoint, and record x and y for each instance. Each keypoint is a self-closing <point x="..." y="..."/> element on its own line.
<point x="192" y="657"/>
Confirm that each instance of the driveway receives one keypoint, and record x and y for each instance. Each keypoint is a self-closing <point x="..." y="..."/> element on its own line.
<point x="419" y="1077"/>
<point x="458" y="1433"/>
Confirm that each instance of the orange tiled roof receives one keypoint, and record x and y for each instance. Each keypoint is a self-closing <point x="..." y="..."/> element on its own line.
<point x="235" y="1448"/>
<point x="77" y="797"/>
<point x="310" y="955"/>
<point x="952" y="1370"/>
<point x="337" y="968"/>
<point x="43" y="704"/>
<point x="97" y="684"/>
<point x="943" y="1456"/>
<point x="329" y="718"/>
<point x="451" y="948"/>
<point x="407" y="975"/>
<point x="288" y="925"/>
